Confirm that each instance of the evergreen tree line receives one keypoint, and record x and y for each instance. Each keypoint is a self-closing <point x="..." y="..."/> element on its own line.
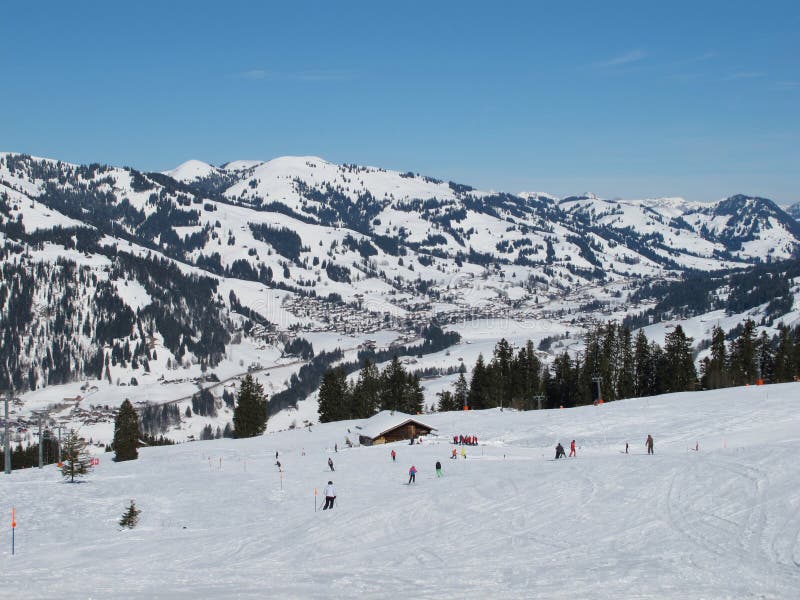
<point x="27" y="457"/>
<point x="746" y="357"/>
<point x="391" y="389"/>
<point x="616" y="365"/>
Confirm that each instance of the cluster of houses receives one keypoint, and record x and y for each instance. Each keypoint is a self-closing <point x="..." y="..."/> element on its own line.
<point x="334" y="317"/>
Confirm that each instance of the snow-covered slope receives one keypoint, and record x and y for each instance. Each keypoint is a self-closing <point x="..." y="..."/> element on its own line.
<point x="219" y="520"/>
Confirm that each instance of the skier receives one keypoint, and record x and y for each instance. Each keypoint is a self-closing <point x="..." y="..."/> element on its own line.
<point x="454" y="455"/>
<point x="626" y="447"/>
<point x="394" y="456"/>
<point x="438" y="469"/>
<point x="336" y="447"/>
<point x="463" y="452"/>
<point x="276" y="455"/>
<point x="572" y="448"/>
<point x="560" y="451"/>
<point x="330" y="463"/>
<point x="330" y="496"/>
<point x="649" y="444"/>
<point x="412" y="475"/>
<point x="278" y="464"/>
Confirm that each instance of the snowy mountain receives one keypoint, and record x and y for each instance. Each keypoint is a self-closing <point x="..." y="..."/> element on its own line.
<point x="162" y="282"/>
<point x="506" y="522"/>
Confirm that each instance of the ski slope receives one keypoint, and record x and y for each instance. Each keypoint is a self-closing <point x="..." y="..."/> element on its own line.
<point x="507" y="522"/>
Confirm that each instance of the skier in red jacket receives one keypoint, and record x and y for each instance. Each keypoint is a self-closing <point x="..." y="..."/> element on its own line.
<point x="572" y="448"/>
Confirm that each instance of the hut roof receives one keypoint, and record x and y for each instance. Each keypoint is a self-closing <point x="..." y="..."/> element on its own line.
<point x="386" y="420"/>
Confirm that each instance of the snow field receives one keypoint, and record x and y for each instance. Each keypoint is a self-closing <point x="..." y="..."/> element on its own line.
<point x="508" y="522"/>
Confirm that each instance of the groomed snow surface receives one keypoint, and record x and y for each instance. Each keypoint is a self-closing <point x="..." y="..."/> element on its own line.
<point x="507" y="522"/>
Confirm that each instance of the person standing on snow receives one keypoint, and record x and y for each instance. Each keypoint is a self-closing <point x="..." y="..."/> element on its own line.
<point x="649" y="444"/>
<point x="463" y="452"/>
<point x="330" y="496"/>
<point x="560" y="451"/>
<point x="394" y="456"/>
<point x="438" y="469"/>
<point x="412" y="475"/>
<point x="572" y="448"/>
<point x="454" y="455"/>
<point x="330" y="463"/>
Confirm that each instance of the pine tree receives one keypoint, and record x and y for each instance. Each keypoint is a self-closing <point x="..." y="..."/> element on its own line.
<point x="250" y="414"/>
<point x="784" y="356"/>
<point x="642" y="366"/>
<point x="608" y="362"/>
<point x="716" y="368"/>
<point x="126" y="433"/>
<point x="333" y="400"/>
<point x="130" y="517"/>
<point x="393" y="386"/>
<point x="627" y="371"/>
<point x="500" y="374"/>
<point x="680" y="374"/>
<point x="75" y="458"/>
<point x="447" y="401"/>
<point x="460" y="391"/>
<point x="414" y="397"/>
<point x="564" y="381"/>
<point x="766" y="358"/>
<point x="743" y="355"/>
<point x="479" y="386"/>
<point x="526" y="374"/>
<point x="366" y="392"/>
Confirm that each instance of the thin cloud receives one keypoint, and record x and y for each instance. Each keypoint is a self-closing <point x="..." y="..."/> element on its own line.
<point x="623" y="59"/>
<point x="695" y="59"/>
<point x="253" y="74"/>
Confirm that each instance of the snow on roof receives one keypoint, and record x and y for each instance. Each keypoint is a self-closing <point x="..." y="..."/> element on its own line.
<point x="386" y="420"/>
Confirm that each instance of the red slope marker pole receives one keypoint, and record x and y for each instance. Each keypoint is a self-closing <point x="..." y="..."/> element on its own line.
<point x="13" y="528"/>
<point x="315" y="499"/>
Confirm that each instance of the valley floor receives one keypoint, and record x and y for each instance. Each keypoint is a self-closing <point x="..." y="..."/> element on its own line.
<point x="508" y="522"/>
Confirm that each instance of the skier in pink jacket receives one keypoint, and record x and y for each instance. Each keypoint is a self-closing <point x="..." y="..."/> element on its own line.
<point x="412" y="475"/>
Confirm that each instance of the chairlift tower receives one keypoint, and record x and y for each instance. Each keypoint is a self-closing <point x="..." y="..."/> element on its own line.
<point x="597" y="381"/>
<point x="539" y="398"/>
<point x="7" y="438"/>
<point x="41" y="415"/>
<point x="6" y="435"/>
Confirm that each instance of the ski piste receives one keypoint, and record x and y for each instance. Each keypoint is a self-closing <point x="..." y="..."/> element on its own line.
<point x="597" y="526"/>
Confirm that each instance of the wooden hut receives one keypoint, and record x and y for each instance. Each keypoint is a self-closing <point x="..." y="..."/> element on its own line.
<point x="390" y="426"/>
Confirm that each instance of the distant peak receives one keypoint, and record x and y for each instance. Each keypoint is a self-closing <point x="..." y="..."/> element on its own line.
<point x="191" y="170"/>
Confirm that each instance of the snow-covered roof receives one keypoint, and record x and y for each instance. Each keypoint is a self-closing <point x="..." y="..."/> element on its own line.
<point x="387" y="420"/>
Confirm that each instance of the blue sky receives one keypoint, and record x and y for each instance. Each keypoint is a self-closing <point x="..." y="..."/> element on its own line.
<point x="625" y="99"/>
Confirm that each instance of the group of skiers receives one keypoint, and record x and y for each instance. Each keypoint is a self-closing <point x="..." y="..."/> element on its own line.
<point x="465" y="440"/>
<point x="454" y="455"/>
<point x="412" y="472"/>
<point x="560" y="453"/>
<point x="330" y="490"/>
